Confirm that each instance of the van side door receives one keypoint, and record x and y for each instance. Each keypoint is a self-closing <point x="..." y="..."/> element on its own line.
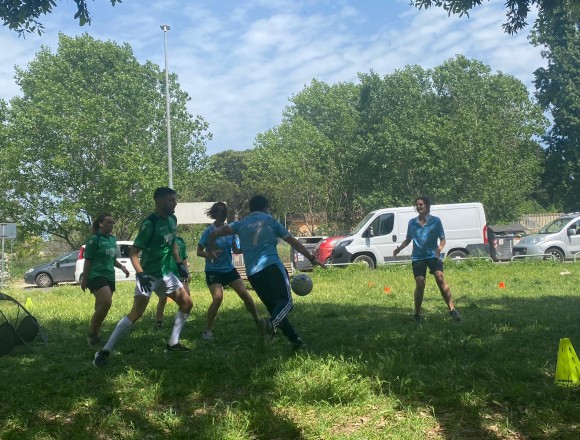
<point x="381" y="237"/>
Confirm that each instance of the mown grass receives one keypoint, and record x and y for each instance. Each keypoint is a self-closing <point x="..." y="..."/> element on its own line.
<point x="372" y="373"/>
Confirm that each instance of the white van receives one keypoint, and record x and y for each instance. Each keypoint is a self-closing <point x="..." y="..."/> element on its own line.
<point x="376" y="236"/>
<point x="560" y="238"/>
<point x="123" y="248"/>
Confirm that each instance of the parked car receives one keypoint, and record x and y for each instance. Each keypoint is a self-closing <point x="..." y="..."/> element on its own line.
<point x="376" y="236"/>
<point x="298" y="260"/>
<point x="61" y="270"/>
<point x="123" y="248"/>
<point x="560" y="238"/>
<point x="323" y="250"/>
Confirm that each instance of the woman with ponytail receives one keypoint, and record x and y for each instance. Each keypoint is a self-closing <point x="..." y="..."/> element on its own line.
<point x="99" y="271"/>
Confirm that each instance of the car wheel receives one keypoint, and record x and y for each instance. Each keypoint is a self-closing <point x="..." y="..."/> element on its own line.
<point x="43" y="280"/>
<point x="456" y="254"/>
<point x="365" y="259"/>
<point x="557" y="253"/>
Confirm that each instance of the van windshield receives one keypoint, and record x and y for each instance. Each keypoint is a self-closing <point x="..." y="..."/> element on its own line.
<point x="555" y="226"/>
<point x="362" y="223"/>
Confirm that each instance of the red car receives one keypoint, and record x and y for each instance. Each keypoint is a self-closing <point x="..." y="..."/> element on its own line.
<point x="323" y="249"/>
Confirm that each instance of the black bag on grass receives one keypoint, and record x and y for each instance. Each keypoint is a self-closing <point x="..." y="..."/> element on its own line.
<point x="19" y="327"/>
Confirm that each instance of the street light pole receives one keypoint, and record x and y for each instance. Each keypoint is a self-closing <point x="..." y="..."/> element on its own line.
<point x="165" y="28"/>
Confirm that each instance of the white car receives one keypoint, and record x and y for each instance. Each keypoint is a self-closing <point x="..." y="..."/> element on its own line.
<point x="123" y="248"/>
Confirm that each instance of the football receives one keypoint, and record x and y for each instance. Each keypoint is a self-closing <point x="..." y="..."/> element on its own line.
<point x="301" y="284"/>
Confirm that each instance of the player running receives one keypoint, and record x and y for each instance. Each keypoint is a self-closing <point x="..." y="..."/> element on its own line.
<point x="219" y="270"/>
<point x="156" y="242"/>
<point x="259" y="233"/>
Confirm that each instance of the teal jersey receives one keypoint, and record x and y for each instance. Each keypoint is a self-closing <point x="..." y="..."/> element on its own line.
<point x="101" y="251"/>
<point x="155" y="238"/>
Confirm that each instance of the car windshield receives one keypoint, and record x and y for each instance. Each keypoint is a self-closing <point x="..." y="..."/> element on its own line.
<point x="362" y="223"/>
<point x="555" y="226"/>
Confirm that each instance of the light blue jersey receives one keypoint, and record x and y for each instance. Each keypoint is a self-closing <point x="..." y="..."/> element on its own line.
<point x="223" y="263"/>
<point x="425" y="237"/>
<point x="259" y="234"/>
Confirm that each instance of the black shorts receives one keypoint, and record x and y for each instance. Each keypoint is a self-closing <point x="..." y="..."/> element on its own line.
<point x="100" y="282"/>
<point x="420" y="267"/>
<point x="223" y="278"/>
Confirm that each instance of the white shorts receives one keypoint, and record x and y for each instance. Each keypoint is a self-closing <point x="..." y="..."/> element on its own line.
<point x="161" y="286"/>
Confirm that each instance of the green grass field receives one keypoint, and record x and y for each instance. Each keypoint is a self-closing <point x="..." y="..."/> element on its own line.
<point x="372" y="373"/>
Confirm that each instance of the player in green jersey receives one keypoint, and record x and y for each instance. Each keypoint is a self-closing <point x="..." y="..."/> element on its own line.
<point x="99" y="271"/>
<point x="159" y="254"/>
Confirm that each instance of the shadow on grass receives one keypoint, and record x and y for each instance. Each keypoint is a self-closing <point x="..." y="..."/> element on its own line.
<point x="490" y="377"/>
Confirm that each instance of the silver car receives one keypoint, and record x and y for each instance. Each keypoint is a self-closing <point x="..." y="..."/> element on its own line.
<point x="560" y="238"/>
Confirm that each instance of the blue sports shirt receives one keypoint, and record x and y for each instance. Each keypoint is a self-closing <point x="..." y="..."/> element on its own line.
<point x="223" y="262"/>
<point x="259" y="234"/>
<point x="425" y="237"/>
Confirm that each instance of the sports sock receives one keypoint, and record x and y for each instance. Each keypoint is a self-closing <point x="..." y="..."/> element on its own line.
<point x="180" y="319"/>
<point x="122" y="327"/>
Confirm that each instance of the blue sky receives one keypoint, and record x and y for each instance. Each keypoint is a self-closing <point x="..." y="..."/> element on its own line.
<point x="240" y="61"/>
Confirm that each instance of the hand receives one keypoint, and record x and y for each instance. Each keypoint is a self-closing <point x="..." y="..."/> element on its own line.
<point x="83" y="283"/>
<point x="315" y="262"/>
<point x="182" y="270"/>
<point x="125" y="271"/>
<point x="145" y="282"/>
<point x="396" y="251"/>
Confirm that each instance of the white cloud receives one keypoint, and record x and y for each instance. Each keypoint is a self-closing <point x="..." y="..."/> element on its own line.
<point x="240" y="64"/>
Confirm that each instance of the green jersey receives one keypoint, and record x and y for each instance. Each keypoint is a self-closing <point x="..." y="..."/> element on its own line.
<point x="155" y="239"/>
<point x="182" y="248"/>
<point x="101" y="250"/>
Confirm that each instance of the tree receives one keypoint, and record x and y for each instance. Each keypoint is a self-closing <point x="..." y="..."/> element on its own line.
<point x="88" y="136"/>
<point x="22" y="15"/>
<point x="558" y="91"/>
<point x="222" y="179"/>
<point x="517" y="10"/>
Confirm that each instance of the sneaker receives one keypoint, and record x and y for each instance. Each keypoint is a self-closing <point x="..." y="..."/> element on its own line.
<point x="299" y="345"/>
<point x="94" y="339"/>
<point x="159" y="325"/>
<point x="266" y="332"/>
<point x="207" y="335"/>
<point x="101" y="358"/>
<point x="455" y="315"/>
<point x="176" y="347"/>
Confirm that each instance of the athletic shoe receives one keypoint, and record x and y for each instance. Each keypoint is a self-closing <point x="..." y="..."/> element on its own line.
<point x="101" y="358"/>
<point x="299" y="345"/>
<point x="266" y="332"/>
<point x="159" y="325"/>
<point x="94" y="339"/>
<point x="176" y="347"/>
<point x="207" y="335"/>
<point x="455" y="315"/>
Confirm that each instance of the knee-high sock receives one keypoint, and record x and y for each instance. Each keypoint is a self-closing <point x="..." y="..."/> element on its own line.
<point x="122" y="327"/>
<point x="180" y="319"/>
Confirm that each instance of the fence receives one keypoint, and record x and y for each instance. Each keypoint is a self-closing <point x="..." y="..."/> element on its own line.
<point x="534" y="222"/>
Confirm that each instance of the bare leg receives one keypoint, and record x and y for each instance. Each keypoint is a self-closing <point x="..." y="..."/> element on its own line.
<point x="103" y="301"/>
<point x="419" y="293"/>
<point x="161" y="309"/>
<point x="444" y="289"/>
<point x="240" y="288"/>
<point x="217" y="295"/>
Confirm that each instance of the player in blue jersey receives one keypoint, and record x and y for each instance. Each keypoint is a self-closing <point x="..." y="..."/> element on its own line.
<point x="259" y="233"/>
<point x="428" y="237"/>
<point x="219" y="270"/>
